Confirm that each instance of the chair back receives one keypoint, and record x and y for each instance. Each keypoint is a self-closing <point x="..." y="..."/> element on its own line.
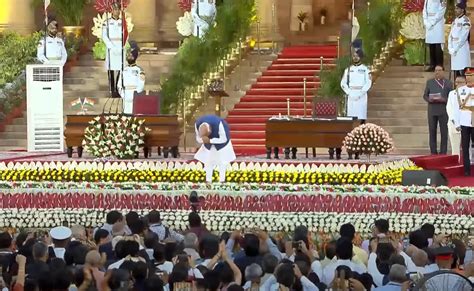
<point x="325" y="109"/>
<point x="147" y="103"/>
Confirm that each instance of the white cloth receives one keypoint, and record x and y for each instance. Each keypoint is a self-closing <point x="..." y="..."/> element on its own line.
<point x="271" y="284"/>
<point x="431" y="268"/>
<point x="56" y="53"/>
<point x="329" y="270"/>
<point x="133" y="81"/>
<point x="374" y="271"/>
<point x="433" y="19"/>
<point x="359" y="83"/>
<point x="206" y="15"/>
<point x="165" y="267"/>
<point x="458" y="46"/>
<point x="59" y="252"/>
<point x="112" y="37"/>
<point x="454" y="135"/>
<point x="213" y="157"/>
<point x="461" y="117"/>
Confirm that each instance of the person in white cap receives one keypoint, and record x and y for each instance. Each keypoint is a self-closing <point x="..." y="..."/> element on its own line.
<point x="61" y="236"/>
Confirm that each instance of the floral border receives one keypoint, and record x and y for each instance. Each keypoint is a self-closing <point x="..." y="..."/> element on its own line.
<point x="231" y="220"/>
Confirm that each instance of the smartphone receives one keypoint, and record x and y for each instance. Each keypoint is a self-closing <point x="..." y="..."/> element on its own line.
<point x="406" y="242"/>
<point x="296" y="245"/>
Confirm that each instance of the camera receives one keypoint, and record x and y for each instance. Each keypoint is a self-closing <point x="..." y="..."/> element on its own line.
<point x="296" y="245"/>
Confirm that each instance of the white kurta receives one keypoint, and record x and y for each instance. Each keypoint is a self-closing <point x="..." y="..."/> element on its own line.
<point x="454" y="135"/>
<point x="213" y="156"/>
<point x="433" y="18"/>
<point x="360" y="82"/>
<point x="207" y="13"/>
<point x="112" y="36"/>
<point x="56" y="53"/>
<point x="458" y="45"/>
<point x="462" y="117"/>
<point x="133" y="81"/>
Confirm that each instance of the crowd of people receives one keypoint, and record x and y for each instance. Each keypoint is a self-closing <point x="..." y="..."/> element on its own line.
<point x="143" y="254"/>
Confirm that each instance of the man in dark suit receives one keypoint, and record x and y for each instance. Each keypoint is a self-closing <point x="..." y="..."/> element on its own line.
<point x="436" y="94"/>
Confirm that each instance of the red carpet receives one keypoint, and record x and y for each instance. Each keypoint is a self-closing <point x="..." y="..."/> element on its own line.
<point x="267" y="97"/>
<point x="449" y="166"/>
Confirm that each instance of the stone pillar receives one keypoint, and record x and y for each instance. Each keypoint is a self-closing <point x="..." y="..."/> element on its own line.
<point x="301" y="6"/>
<point x="144" y="19"/>
<point x="168" y="14"/>
<point x="17" y="15"/>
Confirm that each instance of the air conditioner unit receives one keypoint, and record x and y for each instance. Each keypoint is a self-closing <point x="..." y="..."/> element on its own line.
<point x="44" y="86"/>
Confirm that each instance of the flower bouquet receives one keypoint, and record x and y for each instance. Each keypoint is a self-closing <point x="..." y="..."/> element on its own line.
<point x="185" y="24"/>
<point x="114" y="136"/>
<point x="368" y="139"/>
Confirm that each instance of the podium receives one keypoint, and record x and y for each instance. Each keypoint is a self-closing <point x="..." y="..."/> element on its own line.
<point x="44" y="95"/>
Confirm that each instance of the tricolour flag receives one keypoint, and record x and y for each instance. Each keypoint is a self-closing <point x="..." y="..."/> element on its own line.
<point x="124" y="28"/>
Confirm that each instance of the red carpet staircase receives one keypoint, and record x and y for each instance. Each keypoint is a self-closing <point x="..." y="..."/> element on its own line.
<point x="449" y="166"/>
<point x="268" y="96"/>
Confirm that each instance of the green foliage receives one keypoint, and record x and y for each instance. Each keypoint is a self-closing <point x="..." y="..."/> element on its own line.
<point x="71" y="11"/>
<point x="197" y="56"/>
<point x="99" y="50"/>
<point x="73" y="45"/>
<point x="16" y="51"/>
<point x="414" y="52"/>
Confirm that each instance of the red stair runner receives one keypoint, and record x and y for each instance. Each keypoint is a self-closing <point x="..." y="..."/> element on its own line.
<point x="449" y="165"/>
<point x="267" y="97"/>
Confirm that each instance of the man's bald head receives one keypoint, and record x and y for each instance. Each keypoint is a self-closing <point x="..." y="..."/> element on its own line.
<point x="420" y="258"/>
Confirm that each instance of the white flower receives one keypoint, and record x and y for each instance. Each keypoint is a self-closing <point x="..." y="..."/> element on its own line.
<point x="185" y="24"/>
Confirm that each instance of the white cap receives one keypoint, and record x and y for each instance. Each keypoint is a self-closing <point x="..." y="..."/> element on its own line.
<point x="60" y="233"/>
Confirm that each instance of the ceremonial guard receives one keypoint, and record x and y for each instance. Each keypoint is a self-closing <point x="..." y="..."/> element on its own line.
<point x="51" y="49"/>
<point x="433" y="19"/>
<point x="454" y="135"/>
<point x="213" y="133"/>
<point x="458" y="41"/>
<point x="204" y="13"/>
<point x="463" y="109"/>
<point x="112" y="35"/>
<point x="133" y="79"/>
<point x="356" y="82"/>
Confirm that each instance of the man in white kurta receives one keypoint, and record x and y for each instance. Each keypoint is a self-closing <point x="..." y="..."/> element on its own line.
<point x="133" y="79"/>
<point x="458" y="41"/>
<point x="433" y="19"/>
<point x="112" y="36"/>
<point x="51" y="49"/>
<point x="204" y="13"/>
<point x="454" y="134"/>
<point x="213" y="133"/>
<point x="462" y="117"/>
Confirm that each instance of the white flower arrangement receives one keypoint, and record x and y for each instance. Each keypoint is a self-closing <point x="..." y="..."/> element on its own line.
<point x="412" y="26"/>
<point x="180" y="165"/>
<point x="232" y="220"/>
<point x="368" y="139"/>
<point x="110" y="135"/>
<point x="100" y="19"/>
<point x="185" y="24"/>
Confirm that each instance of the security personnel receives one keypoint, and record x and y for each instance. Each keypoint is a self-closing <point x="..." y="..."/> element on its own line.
<point x="455" y="135"/>
<point x="433" y="19"/>
<point x="133" y="79"/>
<point x="53" y="52"/>
<point x="463" y="119"/>
<point x="112" y="36"/>
<point x="458" y="41"/>
<point x="203" y="13"/>
<point x="356" y="82"/>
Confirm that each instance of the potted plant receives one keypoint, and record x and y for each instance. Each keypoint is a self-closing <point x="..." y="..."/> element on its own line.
<point x="302" y="18"/>
<point x="71" y="12"/>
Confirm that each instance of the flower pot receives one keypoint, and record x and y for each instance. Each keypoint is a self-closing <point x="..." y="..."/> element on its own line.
<point x="76" y="31"/>
<point x="303" y="26"/>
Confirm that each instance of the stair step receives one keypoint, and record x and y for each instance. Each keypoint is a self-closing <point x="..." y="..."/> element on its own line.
<point x="13" y="135"/>
<point x="16" y="128"/>
<point x="374" y="114"/>
<point x="295" y="73"/>
<point x="395" y="107"/>
<point x="272" y="105"/>
<point x="312" y="61"/>
<point x="285" y="85"/>
<point x="399" y="121"/>
<point x="13" y="142"/>
<point x="267" y="112"/>
<point x="284" y="79"/>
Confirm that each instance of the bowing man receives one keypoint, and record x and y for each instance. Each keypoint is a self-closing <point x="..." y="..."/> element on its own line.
<point x="458" y="41"/>
<point x="213" y="133"/>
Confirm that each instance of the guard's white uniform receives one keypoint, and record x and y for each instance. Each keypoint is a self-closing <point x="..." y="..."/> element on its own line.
<point x="458" y="46"/>
<point x="454" y="135"/>
<point x="213" y="157"/>
<point x="360" y="82"/>
<point x="207" y="13"/>
<point x="433" y="18"/>
<point x="56" y="53"/>
<point x="133" y="81"/>
<point x="112" y="36"/>
<point x="462" y="117"/>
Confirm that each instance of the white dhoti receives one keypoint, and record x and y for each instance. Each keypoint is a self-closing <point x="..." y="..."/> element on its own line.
<point x="216" y="158"/>
<point x="454" y="139"/>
